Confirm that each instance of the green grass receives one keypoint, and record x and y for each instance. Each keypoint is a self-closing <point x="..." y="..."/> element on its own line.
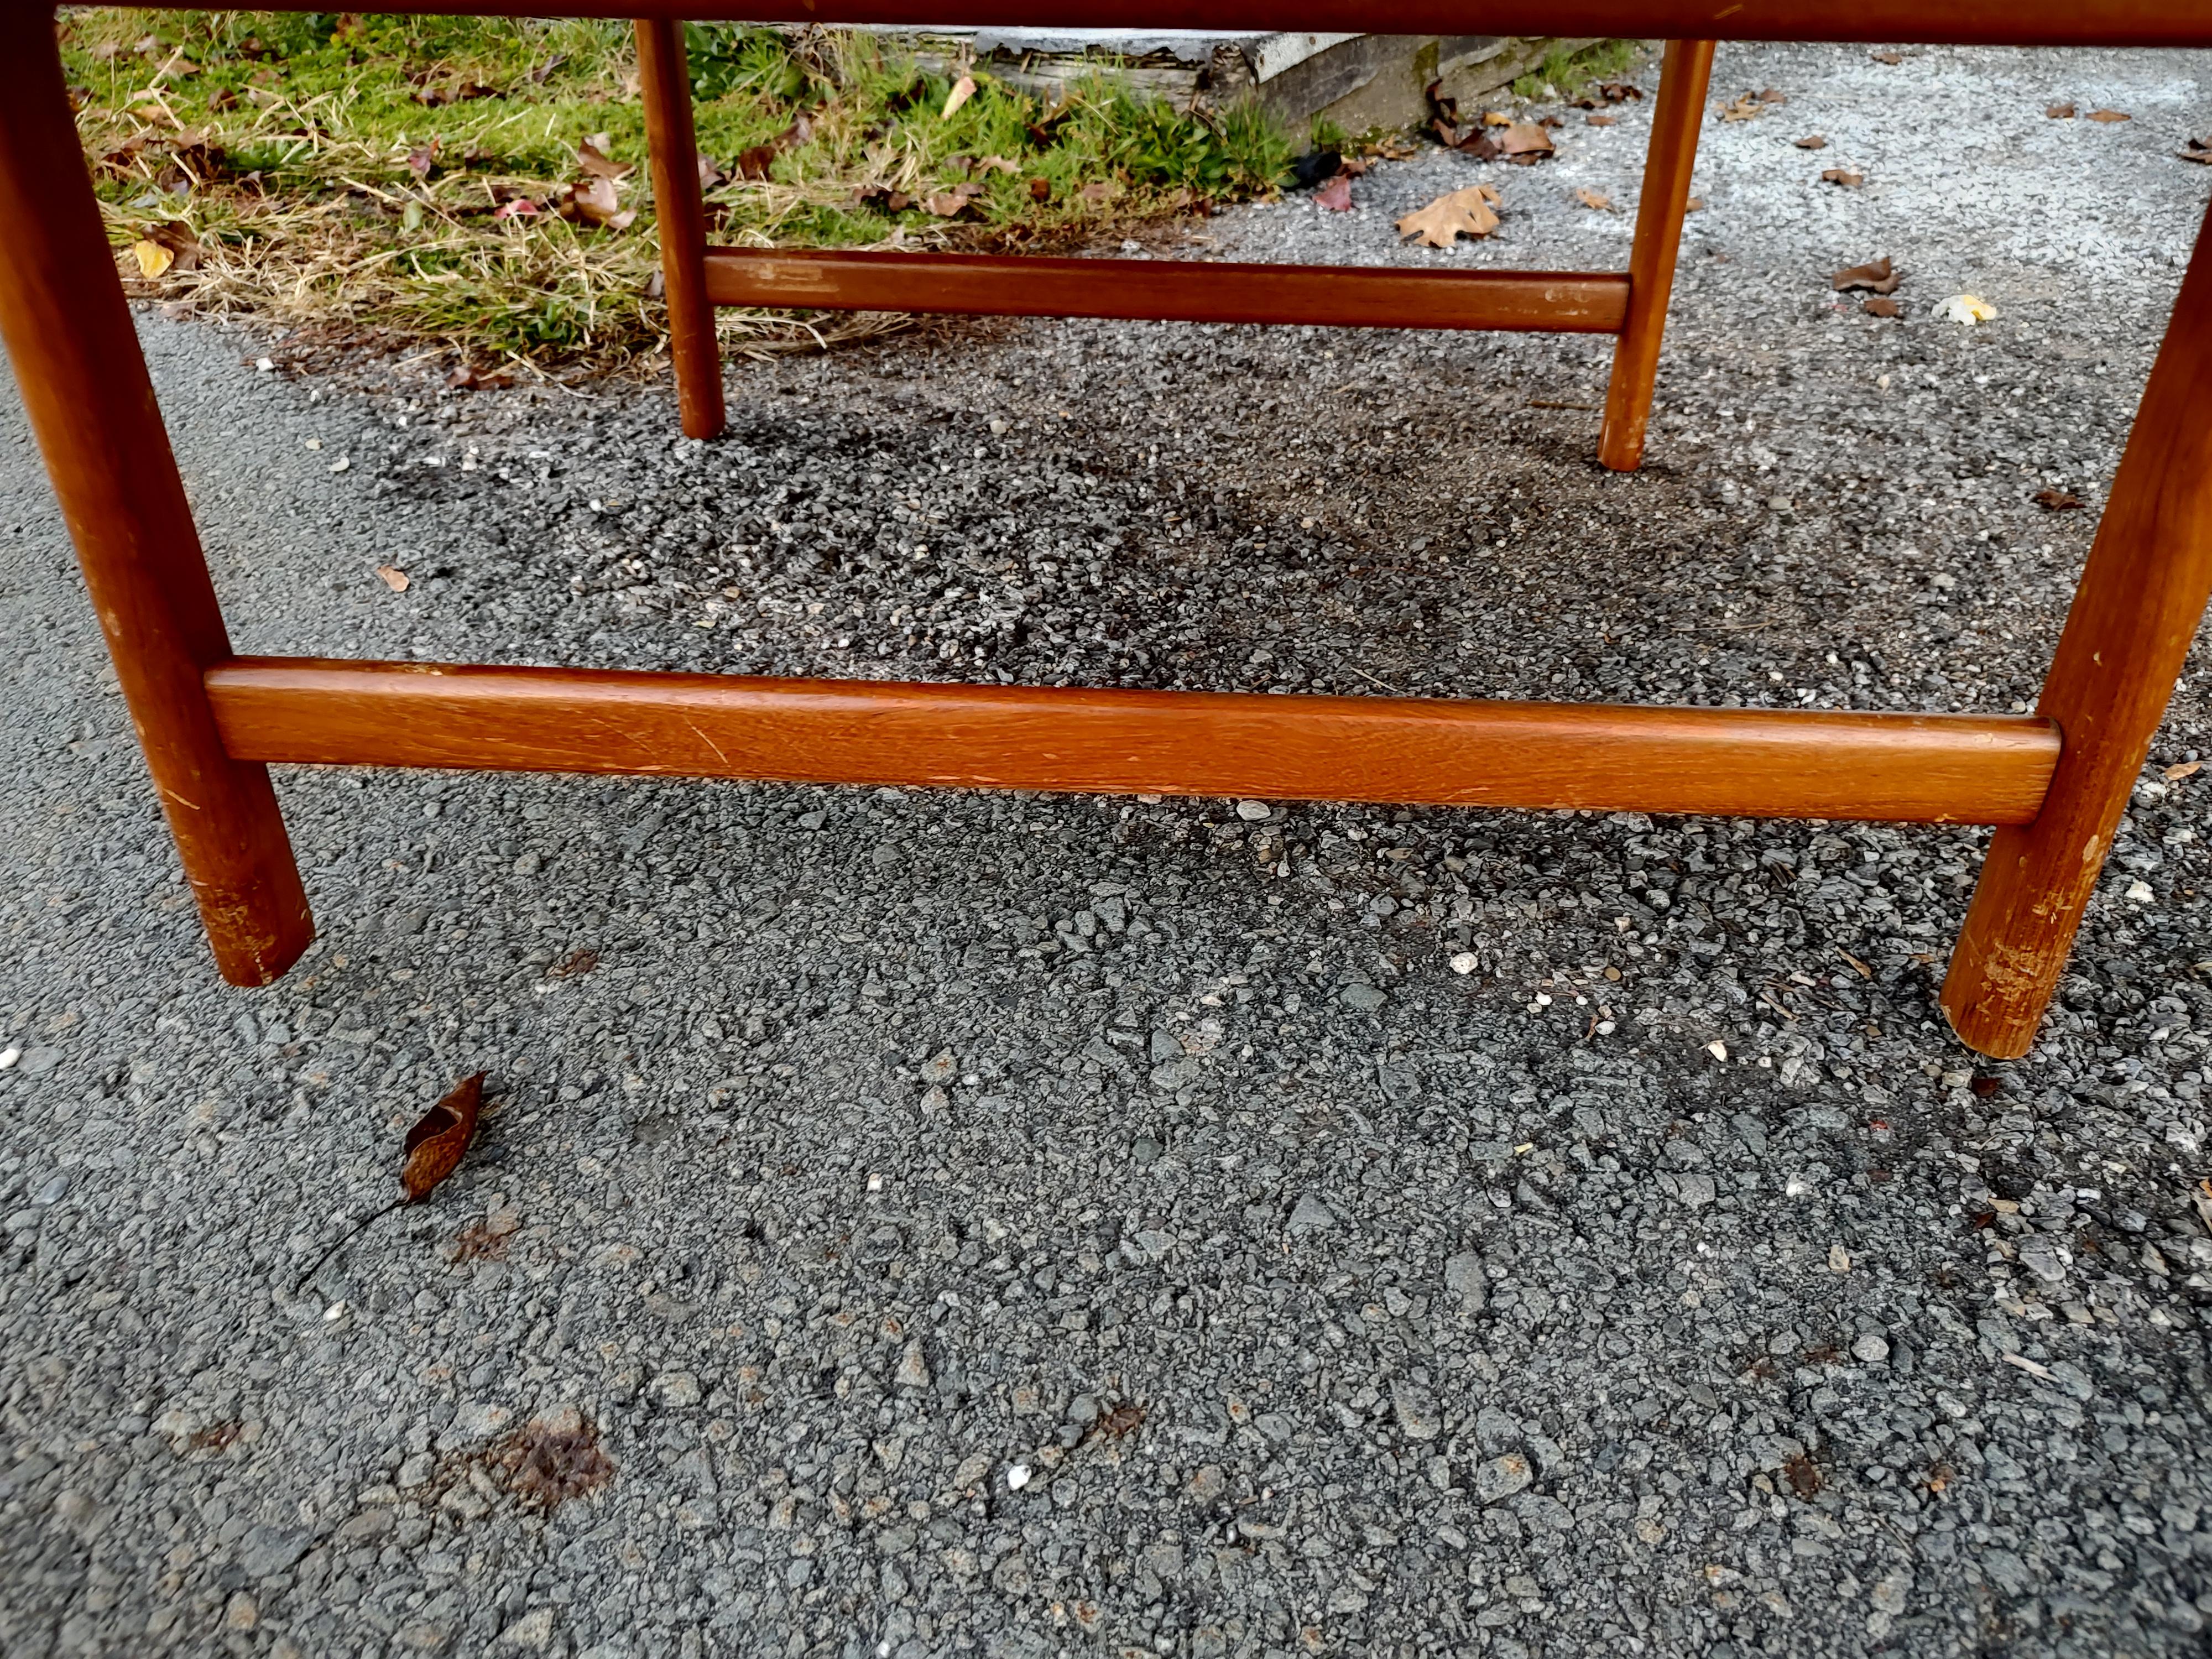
<point x="281" y="142"/>
<point x="1564" y="74"/>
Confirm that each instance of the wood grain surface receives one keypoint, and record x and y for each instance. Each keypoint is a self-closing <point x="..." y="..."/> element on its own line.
<point x="1753" y="762"/>
<point x="76" y="355"/>
<point x="2135" y="614"/>
<point x="1172" y="290"/>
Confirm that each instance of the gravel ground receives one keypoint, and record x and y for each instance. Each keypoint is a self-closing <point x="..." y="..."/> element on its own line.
<point x="916" y="1224"/>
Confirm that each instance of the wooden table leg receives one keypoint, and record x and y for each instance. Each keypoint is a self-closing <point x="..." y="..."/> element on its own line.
<point x="69" y="333"/>
<point x="2142" y="596"/>
<point x="1659" y="207"/>
<point x="681" y="215"/>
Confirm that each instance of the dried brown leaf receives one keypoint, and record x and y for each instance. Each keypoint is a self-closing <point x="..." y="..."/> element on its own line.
<point x="553" y="1458"/>
<point x="1843" y="176"/>
<point x="1590" y="198"/>
<point x="1525" y="141"/>
<point x="1468" y="212"/>
<point x="1745" y="108"/>
<point x="434" y="1145"/>
<point x="393" y="577"/>
<point x="2109" y="115"/>
<point x="1882" y="307"/>
<point x="1599" y="120"/>
<point x="1803" y="1475"/>
<point x="1813" y="141"/>
<point x="592" y="158"/>
<point x="1878" y="277"/>
<point x="423" y="157"/>
<point x="2181" y="769"/>
<point x="2056" y="501"/>
<point x="1887" y="57"/>
<point x="1124" y="1419"/>
<point x="2059" y="112"/>
<point x="950" y="203"/>
<point x="2196" y="149"/>
<point x="1335" y="194"/>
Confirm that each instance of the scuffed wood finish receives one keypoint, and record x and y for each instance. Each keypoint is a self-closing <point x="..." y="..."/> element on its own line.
<point x="2141" y="598"/>
<point x="1747" y="763"/>
<point x="1171" y="290"/>
<point x="680" y="218"/>
<point x="1953" y="22"/>
<point x="1660" y="205"/>
<point x="76" y="354"/>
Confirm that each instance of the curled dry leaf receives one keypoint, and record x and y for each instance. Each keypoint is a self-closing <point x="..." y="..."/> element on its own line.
<point x="393" y="577"/>
<point x="1335" y="194"/>
<point x="950" y="203"/>
<point x="1887" y="57"/>
<point x="2109" y="115"/>
<point x="591" y="157"/>
<point x="1470" y="212"/>
<point x="1881" y="307"/>
<point x="2059" y="112"/>
<point x="963" y="90"/>
<point x="1040" y="189"/>
<point x="593" y="201"/>
<point x="1745" y="108"/>
<point x="2196" y="149"/>
<point x="521" y="208"/>
<point x="434" y="1145"/>
<point x="1843" y="176"/>
<point x="1590" y="198"/>
<point x="153" y="258"/>
<point x="2056" y="501"/>
<point x="998" y="164"/>
<point x="423" y="157"/>
<point x="1877" y="275"/>
<point x="1525" y="141"/>
<point x="1813" y="141"/>
<point x="1599" y="120"/>
<point x="2174" y="773"/>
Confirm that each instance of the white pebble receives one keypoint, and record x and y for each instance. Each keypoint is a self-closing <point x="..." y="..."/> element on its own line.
<point x="1018" y="1477"/>
<point x="1466" y="962"/>
<point x="1253" y="810"/>
<point x="9" y="1056"/>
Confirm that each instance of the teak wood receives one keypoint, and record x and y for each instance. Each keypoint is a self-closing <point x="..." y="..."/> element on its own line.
<point x="2055" y="783"/>
<point x="1753" y="762"/>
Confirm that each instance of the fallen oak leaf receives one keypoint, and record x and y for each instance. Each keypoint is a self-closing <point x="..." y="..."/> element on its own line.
<point x="1468" y="212"/>
<point x="1745" y="108"/>
<point x="592" y="158"/>
<point x="950" y="203"/>
<point x="1812" y="140"/>
<point x="434" y="1145"/>
<point x="1876" y="276"/>
<point x="1335" y="194"/>
<point x="2109" y="116"/>
<point x="2056" y="500"/>
<point x="393" y="577"/>
<point x="1843" y="176"/>
<point x="1590" y="198"/>
<point x="1525" y="142"/>
<point x="2181" y="769"/>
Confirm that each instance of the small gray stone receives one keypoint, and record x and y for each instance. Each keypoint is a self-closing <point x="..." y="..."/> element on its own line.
<point x="1872" y="1349"/>
<point x="913" y="1366"/>
<point x="1465" y="1278"/>
<point x="1363" y="997"/>
<point x="268" y="1551"/>
<point x="1310" y="1214"/>
<point x="1415" y="1409"/>
<point x="1501" y="1477"/>
<point x="36" y="1060"/>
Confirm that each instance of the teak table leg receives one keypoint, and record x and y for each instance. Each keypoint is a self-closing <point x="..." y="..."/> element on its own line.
<point x="2141" y="595"/>
<point x="681" y="217"/>
<point x="84" y="382"/>
<point x="1660" y="205"/>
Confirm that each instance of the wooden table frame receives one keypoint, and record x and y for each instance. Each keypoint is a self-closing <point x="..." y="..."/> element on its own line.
<point x="210" y="721"/>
